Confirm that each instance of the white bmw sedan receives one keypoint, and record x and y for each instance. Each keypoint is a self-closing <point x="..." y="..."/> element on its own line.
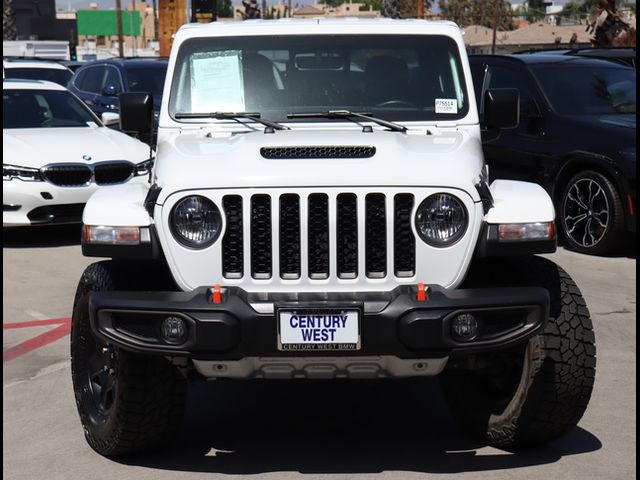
<point x="56" y="153"/>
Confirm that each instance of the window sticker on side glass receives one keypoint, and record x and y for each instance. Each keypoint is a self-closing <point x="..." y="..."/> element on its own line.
<point x="216" y="83"/>
<point x="446" y="105"/>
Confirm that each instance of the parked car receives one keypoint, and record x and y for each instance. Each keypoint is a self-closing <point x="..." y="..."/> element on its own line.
<point x="36" y="70"/>
<point x="290" y="236"/>
<point x="624" y="55"/>
<point x="576" y="138"/>
<point x="56" y="153"/>
<point x="99" y="83"/>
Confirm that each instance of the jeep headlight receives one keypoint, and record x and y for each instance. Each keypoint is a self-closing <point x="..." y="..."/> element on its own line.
<point x="195" y="222"/>
<point x="441" y="220"/>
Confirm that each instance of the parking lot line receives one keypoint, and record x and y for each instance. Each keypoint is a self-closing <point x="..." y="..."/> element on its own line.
<point x="39" y="341"/>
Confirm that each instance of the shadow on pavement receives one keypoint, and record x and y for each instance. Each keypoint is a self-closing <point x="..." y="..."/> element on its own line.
<point x="41" y="236"/>
<point x="242" y="428"/>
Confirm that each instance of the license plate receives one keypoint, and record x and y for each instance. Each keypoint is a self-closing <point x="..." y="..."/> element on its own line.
<point x="319" y="329"/>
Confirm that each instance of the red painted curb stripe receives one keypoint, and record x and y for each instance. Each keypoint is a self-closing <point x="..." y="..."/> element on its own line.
<point x="37" y="342"/>
<point x="35" y="323"/>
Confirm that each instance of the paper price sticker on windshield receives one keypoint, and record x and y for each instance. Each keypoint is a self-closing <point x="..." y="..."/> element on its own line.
<point x="446" y="105"/>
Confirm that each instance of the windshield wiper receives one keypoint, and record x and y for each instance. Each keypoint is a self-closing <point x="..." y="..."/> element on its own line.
<point x="255" y="116"/>
<point x="349" y="115"/>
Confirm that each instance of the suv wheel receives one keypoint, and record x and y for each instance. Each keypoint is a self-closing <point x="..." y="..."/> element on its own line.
<point x="534" y="393"/>
<point x="591" y="214"/>
<point x="127" y="402"/>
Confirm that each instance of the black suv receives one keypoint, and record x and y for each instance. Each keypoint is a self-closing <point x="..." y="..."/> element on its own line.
<point x="625" y="55"/>
<point x="576" y="137"/>
<point x="100" y="83"/>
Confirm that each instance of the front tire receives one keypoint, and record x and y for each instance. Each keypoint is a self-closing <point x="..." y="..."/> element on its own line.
<point x="534" y="393"/>
<point x="127" y="402"/>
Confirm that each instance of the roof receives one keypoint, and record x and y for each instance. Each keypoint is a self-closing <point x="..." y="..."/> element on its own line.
<point x="15" y="63"/>
<point x="308" y="10"/>
<point x="541" y="58"/>
<point x="22" y="84"/>
<point x="534" y="34"/>
<point x="319" y="26"/>
<point x="133" y="61"/>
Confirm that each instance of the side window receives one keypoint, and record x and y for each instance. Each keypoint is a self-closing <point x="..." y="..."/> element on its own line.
<point x="80" y="76"/>
<point x="112" y="78"/>
<point x="92" y="80"/>
<point x="477" y="75"/>
<point x="502" y="77"/>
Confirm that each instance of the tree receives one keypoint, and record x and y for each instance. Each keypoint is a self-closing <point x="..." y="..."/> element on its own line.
<point x="225" y="9"/>
<point x="8" y="21"/>
<point x="333" y="3"/>
<point x="408" y="8"/>
<point x="391" y="8"/>
<point x="535" y="10"/>
<point x="477" y="12"/>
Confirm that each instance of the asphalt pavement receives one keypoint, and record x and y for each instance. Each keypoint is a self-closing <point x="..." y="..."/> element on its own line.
<point x="280" y="430"/>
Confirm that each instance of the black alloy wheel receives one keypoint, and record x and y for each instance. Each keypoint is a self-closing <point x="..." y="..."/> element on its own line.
<point x="591" y="213"/>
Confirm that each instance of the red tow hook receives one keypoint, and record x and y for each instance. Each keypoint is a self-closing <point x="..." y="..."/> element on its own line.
<point x="421" y="294"/>
<point x="216" y="294"/>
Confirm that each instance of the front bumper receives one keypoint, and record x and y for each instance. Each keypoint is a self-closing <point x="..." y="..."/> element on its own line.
<point x="36" y="203"/>
<point x="244" y="325"/>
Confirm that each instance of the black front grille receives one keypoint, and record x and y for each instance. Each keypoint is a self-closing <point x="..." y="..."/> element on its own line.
<point x="290" y="236"/>
<point x="329" y="151"/>
<point x="347" y="235"/>
<point x="261" y="236"/>
<point x="376" y="235"/>
<point x="318" y="235"/>
<point x="386" y="231"/>
<point x="67" y="175"/>
<point x="232" y="243"/>
<point x="112" y="173"/>
<point x="404" y="242"/>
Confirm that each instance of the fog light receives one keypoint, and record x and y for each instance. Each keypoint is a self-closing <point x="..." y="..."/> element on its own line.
<point x="174" y="330"/>
<point x="464" y="327"/>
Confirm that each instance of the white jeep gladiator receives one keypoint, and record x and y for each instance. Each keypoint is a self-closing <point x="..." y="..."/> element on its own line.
<point x="319" y="208"/>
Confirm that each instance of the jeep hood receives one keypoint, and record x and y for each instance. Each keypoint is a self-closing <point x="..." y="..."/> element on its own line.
<point x="200" y="160"/>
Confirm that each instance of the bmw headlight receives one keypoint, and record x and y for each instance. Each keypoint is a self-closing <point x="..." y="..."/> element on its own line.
<point x="9" y="172"/>
<point x="195" y="222"/>
<point x="441" y="220"/>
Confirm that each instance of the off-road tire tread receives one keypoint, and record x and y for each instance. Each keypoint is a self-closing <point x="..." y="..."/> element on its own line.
<point x="151" y="392"/>
<point x="555" y="390"/>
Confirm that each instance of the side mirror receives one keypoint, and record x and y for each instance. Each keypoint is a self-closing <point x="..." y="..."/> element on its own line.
<point x="109" y="118"/>
<point x="110" y="91"/>
<point x="136" y="113"/>
<point x="501" y="108"/>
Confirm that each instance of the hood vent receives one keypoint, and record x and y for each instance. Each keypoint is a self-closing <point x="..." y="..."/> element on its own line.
<point x="324" y="151"/>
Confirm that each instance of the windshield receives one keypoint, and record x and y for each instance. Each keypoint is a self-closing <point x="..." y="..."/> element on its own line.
<point x="147" y="79"/>
<point x="56" y="75"/>
<point x="408" y="77"/>
<point x="44" y="109"/>
<point x="581" y="90"/>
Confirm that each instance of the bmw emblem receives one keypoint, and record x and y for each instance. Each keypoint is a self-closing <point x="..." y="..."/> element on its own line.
<point x="86" y="157"/>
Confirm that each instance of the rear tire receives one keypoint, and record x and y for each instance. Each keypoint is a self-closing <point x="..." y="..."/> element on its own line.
<point x="534" y="393"/>
<point x="127" y="402"/>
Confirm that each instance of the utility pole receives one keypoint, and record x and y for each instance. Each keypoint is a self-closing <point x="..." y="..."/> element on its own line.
<point x="119" y="24"/>
<point x="172" y="14"/>
<point x="495" y="26"/>
<point x="155" y="20"/>
<point x="419" y="8"/>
